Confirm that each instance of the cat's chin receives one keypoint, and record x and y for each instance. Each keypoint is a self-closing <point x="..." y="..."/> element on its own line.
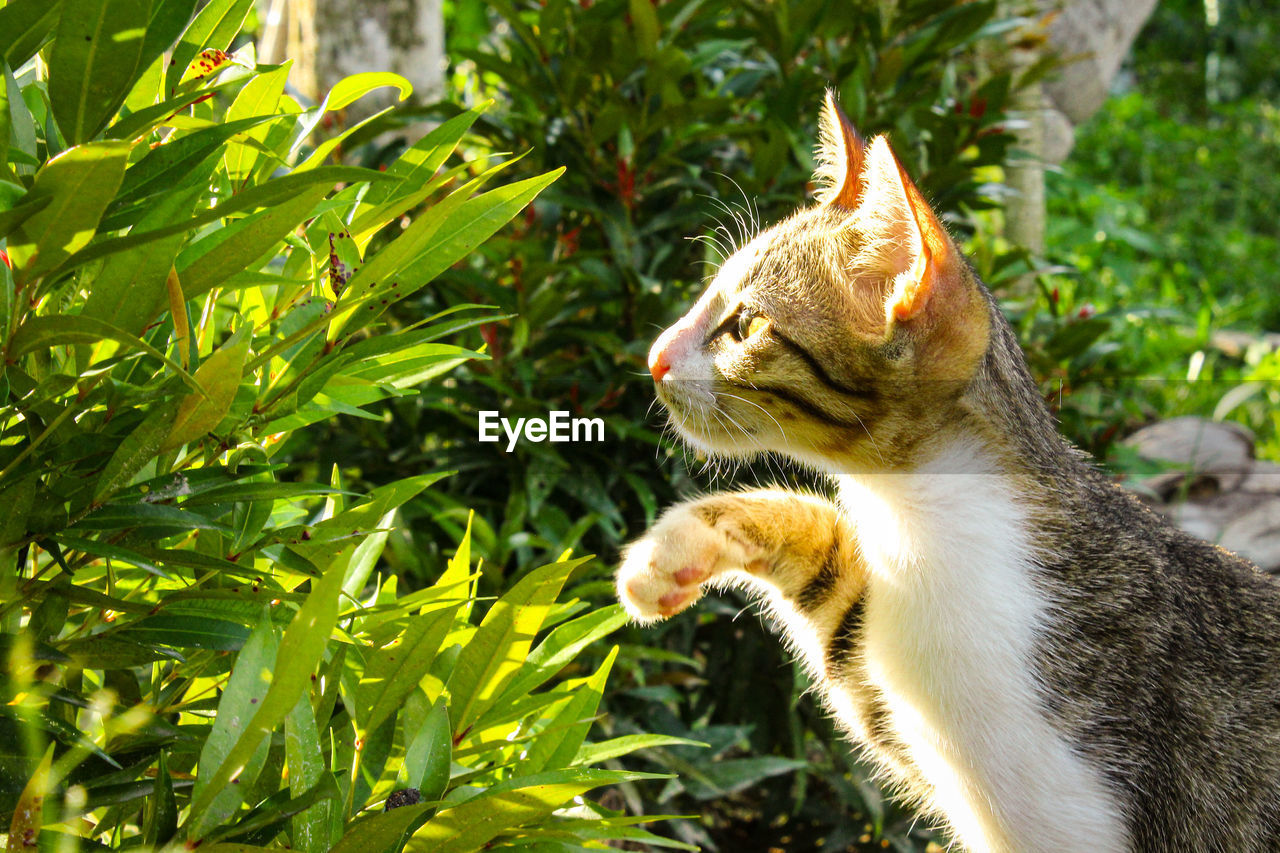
<point x="712" y="444"/>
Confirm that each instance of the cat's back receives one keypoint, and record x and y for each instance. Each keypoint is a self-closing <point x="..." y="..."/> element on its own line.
<point x="1163" y="661"/>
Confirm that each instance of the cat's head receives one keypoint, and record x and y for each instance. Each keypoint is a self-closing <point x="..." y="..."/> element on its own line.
<point x="845" y="335"/>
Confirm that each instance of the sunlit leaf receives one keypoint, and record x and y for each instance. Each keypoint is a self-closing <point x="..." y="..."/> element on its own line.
<point x="79" y="184"/>
<point x="94" y="60"/>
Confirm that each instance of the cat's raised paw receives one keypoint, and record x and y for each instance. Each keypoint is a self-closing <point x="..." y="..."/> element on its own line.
<point x="662" y="573"/>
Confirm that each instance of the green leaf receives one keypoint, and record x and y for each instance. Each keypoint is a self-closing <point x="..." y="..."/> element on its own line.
<point x="219" y="376"/>
<point x="112" y="551"/>
<point x="129" y="291"/>
<point x="162" y="810"/>
<point x="366" y="557"/>
<point x="264" y="491"/>
<point x="497" y="651"/>
<point x="28" y="812"/>
<point x="334" y="538"/>
<point x="645" y="26"/>
<point x="390" y="261"/>
<point x="394" y="671"/>
<point x="605" y="829"/>
<point x="25" y="25"/>
<point x="215" y="27"/>
<point x="474" y="222"/>
<point x="22" y="127"/>
<point x="69" y="329"/>
<point x="187" y="631"/>
<point x="138" y="123"/>
<point x="15" y="216"/>
<point x="448" y="231"/>
<point x="115" y="516"/>
<point x="19" y="498"/>
<point x="428" y="757"/>
<point x="167" y="165"/>
<point x="266" y="195"/>
<point x="58" y="330"/>
<point x="269" y="816"/>
<point x="723" y="778"/>
<point x="105" y="651"/>
<point x="380" y="831"/>
<point x="97" y="51"/>
<point x="168" y="19"/>
<point x="251" y="679"/>
<point x="11" y="191"/>
<point x="417" y="165"/>
<point x="136" y="451"/>
<point x="458" y="571"/>
<point x="594" y="753"/>
<point x="561" y="646"/>
<point x="324" y="149"/>
<point x="79" y="182"/>
<point x="259" y="97"/>
<point x="207" y="263"/>
<point x="306" y="764"/>
<point x="301" y="649"/>
<point x="559" y="743"/>
<point x="351" y="89"/>
<point x="470" y="825"/>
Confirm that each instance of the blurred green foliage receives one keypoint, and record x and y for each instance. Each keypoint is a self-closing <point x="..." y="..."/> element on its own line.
<point x="1166" y="214"/>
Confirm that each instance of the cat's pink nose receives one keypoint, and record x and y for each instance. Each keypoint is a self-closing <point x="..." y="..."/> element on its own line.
<point x="658" y="364"/>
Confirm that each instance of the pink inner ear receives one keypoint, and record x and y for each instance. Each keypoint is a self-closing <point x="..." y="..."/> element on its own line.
<point x="840" y="156"/>
<point x="851" y="188"/>
<point x="901" y="239"/>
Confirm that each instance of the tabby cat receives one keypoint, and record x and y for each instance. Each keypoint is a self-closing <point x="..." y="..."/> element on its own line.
<point x="1025" y="650"/>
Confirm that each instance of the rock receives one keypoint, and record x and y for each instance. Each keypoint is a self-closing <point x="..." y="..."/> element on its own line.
<point x="1215" y="489"/>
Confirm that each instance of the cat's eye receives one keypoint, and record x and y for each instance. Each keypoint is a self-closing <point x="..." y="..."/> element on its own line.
<point x="739" y="326"/>
<point x="748" y="325"/>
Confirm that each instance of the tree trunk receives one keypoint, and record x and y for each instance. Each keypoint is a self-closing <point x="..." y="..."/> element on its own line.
<point x="1091" y="39"/>
<point x="332" y="39"/>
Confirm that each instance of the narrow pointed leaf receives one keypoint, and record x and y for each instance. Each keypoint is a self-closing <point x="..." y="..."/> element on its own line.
<point x="213" y="28"/>
<point x="306" y="764"/>
<point x="395" y="670"/>
<point x="94" y="61"/>
<point x="79" y="183"/>
<point x="558" y="745"/>
<point x="219" y="376"/>
<point x="301" y="650"/>
<point x="498" y="649"/>
<point x="129" y="290"/>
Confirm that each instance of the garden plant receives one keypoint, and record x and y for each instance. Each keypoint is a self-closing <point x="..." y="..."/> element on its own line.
<point x="199" y="646"/>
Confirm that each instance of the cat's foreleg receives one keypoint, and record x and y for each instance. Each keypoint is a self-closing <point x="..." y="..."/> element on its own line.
<point x="796" y="546"/>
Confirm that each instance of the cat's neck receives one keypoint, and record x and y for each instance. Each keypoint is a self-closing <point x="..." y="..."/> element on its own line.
<point x="1006" y="429"/>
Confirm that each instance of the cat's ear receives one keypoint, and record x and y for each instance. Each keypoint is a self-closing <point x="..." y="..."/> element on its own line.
<point x="900" y="236"/>
<point x="839" y="157"/>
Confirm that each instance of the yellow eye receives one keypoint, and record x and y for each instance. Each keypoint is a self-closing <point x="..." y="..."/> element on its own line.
<point x="748" y="325"/>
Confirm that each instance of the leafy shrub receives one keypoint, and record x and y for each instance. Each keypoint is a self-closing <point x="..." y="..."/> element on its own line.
<point x="196" y="646"/>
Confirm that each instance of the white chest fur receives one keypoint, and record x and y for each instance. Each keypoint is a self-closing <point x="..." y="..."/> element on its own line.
<point x="951" y="615"/>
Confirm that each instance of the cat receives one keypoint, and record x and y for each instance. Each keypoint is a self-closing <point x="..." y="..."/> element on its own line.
<point x="1026" y="651"/>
